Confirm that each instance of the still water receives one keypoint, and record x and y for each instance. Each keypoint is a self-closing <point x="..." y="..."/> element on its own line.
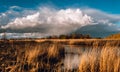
<point x="73" y="55"/>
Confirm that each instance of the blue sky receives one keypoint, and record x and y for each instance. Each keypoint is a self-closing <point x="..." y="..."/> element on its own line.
<point x="49" y="17"/>
<point x="110" y="6"/>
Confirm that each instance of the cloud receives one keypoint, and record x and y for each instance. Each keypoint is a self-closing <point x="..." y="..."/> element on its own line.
<point x="98" y="30"/>
<point x="14" y="12"/>
<point x="104" y="23"/>
<point x="99" y="15"/>
<point x="15" y="7"/>
<point x="48" y="20"/>
<point x="8" y="16"/>
<point x="24" y="35"/>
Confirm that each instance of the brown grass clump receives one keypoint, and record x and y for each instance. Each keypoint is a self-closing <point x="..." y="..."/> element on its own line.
<point x="109" y="57"/>
<point x="53" y="51"/>
<point x="105" y="60"/>
<point x="114" y="36"/>
<point x="34" y="58"/>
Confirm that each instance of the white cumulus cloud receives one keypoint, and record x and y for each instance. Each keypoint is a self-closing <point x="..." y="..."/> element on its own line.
<point x="48" y="16"/>
<point x="50" y="21"/>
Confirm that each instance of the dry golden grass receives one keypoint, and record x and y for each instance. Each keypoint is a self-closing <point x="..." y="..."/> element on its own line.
<point x="47" y="57"/>
<point x="114" y="36"/>
<point x="105" y="60"/>
<point x="37" y="59"/>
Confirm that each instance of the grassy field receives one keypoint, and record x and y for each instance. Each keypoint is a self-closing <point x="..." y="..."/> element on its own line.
<point x="114" y="36"/>
<point x="48" y="55"/>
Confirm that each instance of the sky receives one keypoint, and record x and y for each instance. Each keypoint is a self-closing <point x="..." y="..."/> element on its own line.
<point x="39" y="18"/>
<point x="110" y="6"/>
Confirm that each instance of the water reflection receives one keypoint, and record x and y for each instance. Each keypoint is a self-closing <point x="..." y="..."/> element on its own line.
<point x="72" y="56"/>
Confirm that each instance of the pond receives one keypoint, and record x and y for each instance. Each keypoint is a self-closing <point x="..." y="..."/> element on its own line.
<point x="72" y="56"/>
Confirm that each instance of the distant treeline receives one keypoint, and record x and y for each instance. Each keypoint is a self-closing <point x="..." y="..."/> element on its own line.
<point x="70" y="36"/>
